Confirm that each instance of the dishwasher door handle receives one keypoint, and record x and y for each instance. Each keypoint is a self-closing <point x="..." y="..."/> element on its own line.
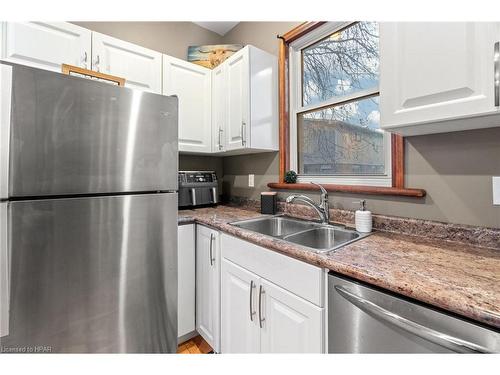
<point x="426" y="333"/>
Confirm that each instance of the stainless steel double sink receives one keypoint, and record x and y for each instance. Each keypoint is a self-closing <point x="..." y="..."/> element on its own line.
<point x="317" y="237"/>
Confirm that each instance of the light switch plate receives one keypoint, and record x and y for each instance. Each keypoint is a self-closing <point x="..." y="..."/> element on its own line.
<point x="496" y="190"/>
<point x="251" y="180"/>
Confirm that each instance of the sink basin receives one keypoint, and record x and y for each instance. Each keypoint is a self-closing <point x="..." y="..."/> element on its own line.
<point x="314" y="236"/>
<point x="277" y="226"/>
<point x="323" y="239"/>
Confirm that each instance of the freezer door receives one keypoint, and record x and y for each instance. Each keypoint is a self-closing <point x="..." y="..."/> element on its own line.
<point x="93" y="275"/>
<point x="71" y="135"/>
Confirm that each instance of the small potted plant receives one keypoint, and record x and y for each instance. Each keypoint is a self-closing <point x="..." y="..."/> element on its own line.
<point x="290" y="177"/>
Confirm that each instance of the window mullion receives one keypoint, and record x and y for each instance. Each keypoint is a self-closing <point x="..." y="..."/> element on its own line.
<point x="358" y="95"/>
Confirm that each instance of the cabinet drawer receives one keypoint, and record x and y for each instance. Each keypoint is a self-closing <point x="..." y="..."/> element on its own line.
<point x="297" y="277"/>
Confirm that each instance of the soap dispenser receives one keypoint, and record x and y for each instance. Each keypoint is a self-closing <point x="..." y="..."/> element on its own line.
<point x="363" y="218"/>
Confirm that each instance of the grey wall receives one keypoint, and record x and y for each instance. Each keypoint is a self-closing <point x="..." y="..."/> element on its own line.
<point x="454" y="168"/>
<point x="172" y="38"/>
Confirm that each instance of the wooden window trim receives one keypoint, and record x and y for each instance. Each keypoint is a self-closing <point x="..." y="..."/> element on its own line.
<point x="397" y="142"/>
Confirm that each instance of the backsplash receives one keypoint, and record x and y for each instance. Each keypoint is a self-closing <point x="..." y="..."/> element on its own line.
<point x="465" y="234"/>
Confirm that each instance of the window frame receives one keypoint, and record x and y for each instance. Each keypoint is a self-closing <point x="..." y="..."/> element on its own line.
<point x="296" y="108"/>
<point x="306" y="34"/>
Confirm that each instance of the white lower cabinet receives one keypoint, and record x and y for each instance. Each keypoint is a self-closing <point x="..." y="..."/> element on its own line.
<point x="290" y="324"/>
<point x="186" y="281"/>
<point x="240" y="327"/>
<point x="259" y="316"/>
<point x="208" y="285"/>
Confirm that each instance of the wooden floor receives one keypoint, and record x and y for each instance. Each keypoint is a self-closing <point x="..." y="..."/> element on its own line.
<point x="195" y="346"/>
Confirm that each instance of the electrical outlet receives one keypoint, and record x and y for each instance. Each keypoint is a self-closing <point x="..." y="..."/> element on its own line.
<point x="251" y="180"/>
<point x="496" y="190"/>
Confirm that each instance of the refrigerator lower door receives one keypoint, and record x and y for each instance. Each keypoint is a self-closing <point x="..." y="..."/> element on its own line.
<point x="93" y="275"/>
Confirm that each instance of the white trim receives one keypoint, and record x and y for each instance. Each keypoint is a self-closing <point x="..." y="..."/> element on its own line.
<point x="297" y="108"/>
<point x="5" y="108"/>
<point x="4" y="272"/>
<point x="349" y="180"/>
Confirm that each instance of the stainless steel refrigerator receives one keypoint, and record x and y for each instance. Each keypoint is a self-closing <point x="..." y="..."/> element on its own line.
<point x="88" y="216"/>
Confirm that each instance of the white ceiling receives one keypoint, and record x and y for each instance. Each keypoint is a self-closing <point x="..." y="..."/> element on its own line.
<point x="220" y="28"/>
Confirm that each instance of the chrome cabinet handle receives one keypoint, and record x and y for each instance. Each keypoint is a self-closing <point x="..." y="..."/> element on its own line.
<point x="261" y="318"/>
<point x="252" y="313"/>
<point x="453" y="343"/>
<point x="96" y="62"/>
<point x="243" y="131"/>
<point x="210" y="253"/>
<point x="496" y="62"/>
<point x="84" y="59"/>
<point x="220" y="135"/>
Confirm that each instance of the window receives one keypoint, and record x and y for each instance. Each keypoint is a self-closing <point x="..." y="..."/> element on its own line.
<point x="335" y="135"/>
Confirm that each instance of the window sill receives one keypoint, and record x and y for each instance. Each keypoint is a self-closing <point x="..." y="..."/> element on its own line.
<point x="353" y="189"/>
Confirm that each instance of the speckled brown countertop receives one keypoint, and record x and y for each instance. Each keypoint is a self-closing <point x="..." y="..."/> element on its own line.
<point x="460" y="278"/>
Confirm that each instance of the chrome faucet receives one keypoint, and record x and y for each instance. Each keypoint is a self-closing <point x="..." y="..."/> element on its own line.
<point x="323" y="209"/>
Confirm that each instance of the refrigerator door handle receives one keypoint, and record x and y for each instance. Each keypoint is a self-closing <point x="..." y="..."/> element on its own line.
<point x="450" y="342"/>
<point x="4" y="272"/>
<point x="5" y="110"/>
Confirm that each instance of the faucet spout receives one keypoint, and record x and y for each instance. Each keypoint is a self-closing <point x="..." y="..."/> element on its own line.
<point x="322" y="209"/>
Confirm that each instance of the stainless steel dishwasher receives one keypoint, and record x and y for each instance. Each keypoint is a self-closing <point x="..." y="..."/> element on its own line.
<point x="363" y="319"/>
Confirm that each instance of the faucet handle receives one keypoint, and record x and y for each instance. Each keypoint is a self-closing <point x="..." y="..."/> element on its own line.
<point x="323" y="190"/>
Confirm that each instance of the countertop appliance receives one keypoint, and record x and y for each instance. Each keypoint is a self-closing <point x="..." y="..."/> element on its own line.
<point x="88" y="215"/>
<point x="197" y="188"/>
<point x="364" y="319"/>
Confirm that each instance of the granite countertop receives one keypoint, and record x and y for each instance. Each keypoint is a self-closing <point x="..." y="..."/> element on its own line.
<point x="457" y="277"/>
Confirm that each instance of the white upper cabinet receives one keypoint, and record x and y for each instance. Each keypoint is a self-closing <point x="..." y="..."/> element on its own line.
<point x="219" y="102"/>
<point x="192" y="84"/>
<point x="46" y="45"/>
<point x="434" y="77"/>
<point x="238" y="101"/>
<point x="249" y="111"/>
<point x="141" y="67"/>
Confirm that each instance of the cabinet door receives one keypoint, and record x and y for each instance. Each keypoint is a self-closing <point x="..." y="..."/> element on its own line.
<point x="290" y="324"/>
<point x="240" y="332"/>
<point x="238" y="101"/>
<point x="141" y="67"/>
<point x="46" y="45"/>
<point x="219" y="108"/>
<point x="192" y="84"/>
<point x="208" y="285"/>
<point x="186" y="280"/>
<point x="435" y="71"/>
